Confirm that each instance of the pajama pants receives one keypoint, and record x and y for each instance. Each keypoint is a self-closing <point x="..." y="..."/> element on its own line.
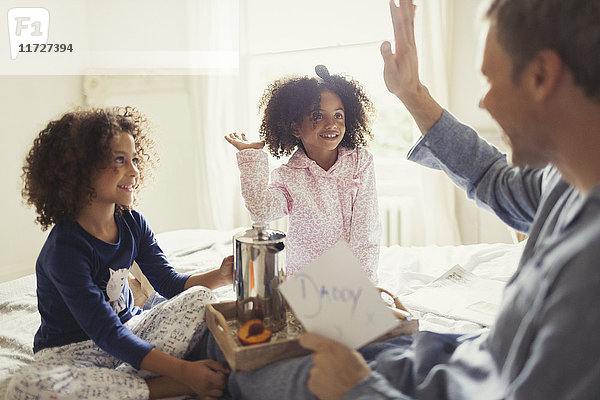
<point x="84" y="371"/>
<point x="288" y="379"/>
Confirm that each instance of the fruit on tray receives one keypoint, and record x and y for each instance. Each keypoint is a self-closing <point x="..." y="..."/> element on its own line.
<point x="253" y="332"/>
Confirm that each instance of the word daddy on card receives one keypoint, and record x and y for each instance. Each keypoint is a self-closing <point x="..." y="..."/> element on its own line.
<point x="332" y="297"/>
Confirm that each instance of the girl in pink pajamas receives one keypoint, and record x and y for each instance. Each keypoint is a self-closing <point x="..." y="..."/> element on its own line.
<point x="328" y="185"/>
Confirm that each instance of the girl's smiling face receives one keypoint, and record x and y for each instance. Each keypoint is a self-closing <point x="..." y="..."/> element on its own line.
<point x="323" y="129"/>
<point x="115" y="183"/>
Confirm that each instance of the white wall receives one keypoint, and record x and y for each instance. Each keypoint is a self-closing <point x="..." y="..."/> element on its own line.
<point x="29" y="102"/>
<point x="26" y="104"/>
<point x="170" y="201"/>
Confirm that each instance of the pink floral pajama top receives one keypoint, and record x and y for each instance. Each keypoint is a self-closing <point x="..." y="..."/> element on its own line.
<point x="323" y="206"/>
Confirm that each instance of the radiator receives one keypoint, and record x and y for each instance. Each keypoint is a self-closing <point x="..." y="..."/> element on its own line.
<point x="396" y="216"/>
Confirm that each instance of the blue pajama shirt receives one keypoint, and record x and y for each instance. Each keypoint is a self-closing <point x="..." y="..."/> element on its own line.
<point x="74" y="272"/>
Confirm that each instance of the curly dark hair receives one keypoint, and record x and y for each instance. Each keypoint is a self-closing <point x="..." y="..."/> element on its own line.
<point x="286" y="102"/>
<point x="58" y="168"/>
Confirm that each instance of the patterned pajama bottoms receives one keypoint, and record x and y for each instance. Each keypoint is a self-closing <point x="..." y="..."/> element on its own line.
<point x="84" y="371"/>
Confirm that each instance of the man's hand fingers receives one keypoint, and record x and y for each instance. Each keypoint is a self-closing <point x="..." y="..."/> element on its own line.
<point x="386" y="53"/>
<point x="386" y="49"/>
<point x="315" y="342"/>
<point x="403" y="23"/>
<point x="394" y="15"/>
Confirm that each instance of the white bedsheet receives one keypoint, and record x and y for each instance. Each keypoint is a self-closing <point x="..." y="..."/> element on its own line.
<point x="19" y="320"/>
<point x="403" y="270"/>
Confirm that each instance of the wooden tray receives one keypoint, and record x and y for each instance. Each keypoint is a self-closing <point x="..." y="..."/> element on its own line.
<point x="220" y="318"/>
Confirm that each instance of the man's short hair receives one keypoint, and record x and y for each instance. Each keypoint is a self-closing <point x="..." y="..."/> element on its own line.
<point x="569" y="27"/>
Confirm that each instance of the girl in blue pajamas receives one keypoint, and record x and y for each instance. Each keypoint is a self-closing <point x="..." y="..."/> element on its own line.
<point x="82" y="175"/>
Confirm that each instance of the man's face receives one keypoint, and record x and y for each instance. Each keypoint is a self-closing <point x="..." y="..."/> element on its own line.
<point x="511" y="104"/>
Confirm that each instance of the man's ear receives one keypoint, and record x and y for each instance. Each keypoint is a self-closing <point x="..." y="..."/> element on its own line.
<point x="544" y="74"/>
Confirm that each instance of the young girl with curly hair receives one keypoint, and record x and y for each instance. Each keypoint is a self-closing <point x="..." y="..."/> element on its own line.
<point x="82" y="175"/>
<point x="328" y="185"/>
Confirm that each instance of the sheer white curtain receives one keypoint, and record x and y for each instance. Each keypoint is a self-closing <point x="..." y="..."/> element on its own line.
<point x="434" y="40"/>
<point x="216" y="110"/>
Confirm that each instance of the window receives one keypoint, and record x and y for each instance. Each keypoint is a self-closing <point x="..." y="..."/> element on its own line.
<point x="345" y="35"/>
<point x="291" y="38"/>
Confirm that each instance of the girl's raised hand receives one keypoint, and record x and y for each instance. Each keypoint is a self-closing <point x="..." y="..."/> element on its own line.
<point x="241" y="143"/>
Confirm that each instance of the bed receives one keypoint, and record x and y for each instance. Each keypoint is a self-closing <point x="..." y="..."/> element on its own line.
<point x="448" y="288"/>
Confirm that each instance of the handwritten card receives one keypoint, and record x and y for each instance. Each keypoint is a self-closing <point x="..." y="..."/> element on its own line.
<point x="332" y="297"/>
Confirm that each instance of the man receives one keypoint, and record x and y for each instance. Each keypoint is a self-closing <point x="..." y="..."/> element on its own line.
<point x="542" y="64"/>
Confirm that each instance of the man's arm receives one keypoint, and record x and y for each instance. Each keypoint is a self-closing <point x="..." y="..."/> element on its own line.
<point x="565" y="326"/>
<point x="473" y="165"/>
<point x="400" y="70"/>
<point x="339" y="372"/>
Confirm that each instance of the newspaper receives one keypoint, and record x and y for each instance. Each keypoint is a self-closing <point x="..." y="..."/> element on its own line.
<point x="459" y="294"/>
